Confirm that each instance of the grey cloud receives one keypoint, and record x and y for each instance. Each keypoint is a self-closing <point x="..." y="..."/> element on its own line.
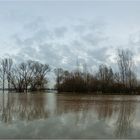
<point x="38" y="37"/>
<point x="93" y="39"/>
<point x="134" y="38"/>
<point x="60" y="31"/>
<point x="99" y="53"/>
<point x="62" y="46"/>
<point x="35" y="24"/>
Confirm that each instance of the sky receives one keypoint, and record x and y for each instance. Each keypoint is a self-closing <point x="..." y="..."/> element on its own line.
<point x="63" y="33"/>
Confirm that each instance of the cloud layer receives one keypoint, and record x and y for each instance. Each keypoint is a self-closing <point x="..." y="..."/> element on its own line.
<point x="66" y="33"/>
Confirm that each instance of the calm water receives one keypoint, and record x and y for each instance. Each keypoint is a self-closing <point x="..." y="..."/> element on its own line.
<point x="52" y="115"/>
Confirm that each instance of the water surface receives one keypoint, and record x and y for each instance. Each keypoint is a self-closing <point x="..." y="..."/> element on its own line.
<point x="52" y="115"/>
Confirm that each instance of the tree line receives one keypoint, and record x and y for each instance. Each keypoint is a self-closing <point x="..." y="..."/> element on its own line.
<point x="105" y="80"/>
<point x="32" y="75"/>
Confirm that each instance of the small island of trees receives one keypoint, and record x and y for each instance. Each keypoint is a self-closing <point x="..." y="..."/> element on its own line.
<point x="105" y="80"/>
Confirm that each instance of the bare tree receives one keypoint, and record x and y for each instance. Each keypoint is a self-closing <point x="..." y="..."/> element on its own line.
<point x="59" y="77"/>
<point x="8" y="71"/>
<point x="106" y="77"/>
<point x="126" y="68"/>
<point x="29" y="75"/>
<point x="3" y="72"/>
<point x="39" y="71"/>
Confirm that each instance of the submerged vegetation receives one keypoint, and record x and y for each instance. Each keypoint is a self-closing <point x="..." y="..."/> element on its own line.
<point x="32" y="75"/>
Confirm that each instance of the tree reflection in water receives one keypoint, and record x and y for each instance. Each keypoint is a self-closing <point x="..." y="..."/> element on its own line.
<point x="23" y="107"/>
<point x="125" y="119"/>
<point x="123" y="110"/>
<point x="78" y="111"/>
<point x="80" y="106"/>
<point x="105" y="107"/>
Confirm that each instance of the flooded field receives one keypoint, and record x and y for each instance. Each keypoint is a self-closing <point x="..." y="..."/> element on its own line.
<point x="52" y="115"/>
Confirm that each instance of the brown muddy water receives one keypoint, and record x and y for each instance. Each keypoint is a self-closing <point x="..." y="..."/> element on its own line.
<point x="52" y="115"/>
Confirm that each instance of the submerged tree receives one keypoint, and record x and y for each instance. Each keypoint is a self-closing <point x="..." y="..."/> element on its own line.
<point x="5" y="71"/>
<point x="8" y="71"/>
<point x="38" y="79"/>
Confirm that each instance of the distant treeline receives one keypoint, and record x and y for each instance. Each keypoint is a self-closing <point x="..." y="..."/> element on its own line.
<point x="32" y="75"/>
<point x="105" y="80"/>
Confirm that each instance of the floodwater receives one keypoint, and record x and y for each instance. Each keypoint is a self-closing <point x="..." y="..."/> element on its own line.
<point x="52" y="115"/>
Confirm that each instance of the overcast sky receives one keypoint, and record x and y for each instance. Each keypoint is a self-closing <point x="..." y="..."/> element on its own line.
<point x="61" y="32"/>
